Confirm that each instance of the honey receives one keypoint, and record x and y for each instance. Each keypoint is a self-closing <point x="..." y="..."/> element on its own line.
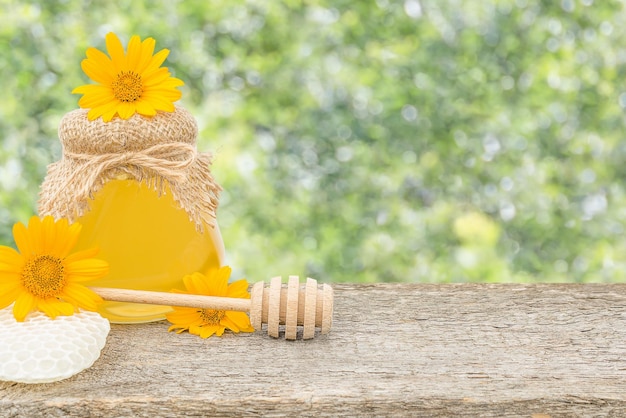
<point x="149" y="243"/>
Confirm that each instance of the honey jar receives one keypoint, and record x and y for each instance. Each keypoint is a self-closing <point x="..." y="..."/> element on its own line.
<point x="144" y="196"/>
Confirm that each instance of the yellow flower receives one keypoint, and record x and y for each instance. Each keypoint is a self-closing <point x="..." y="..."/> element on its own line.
<point x="43" y="275"/>
<point x="128" y="83"/>
<point x="206" y="322"/>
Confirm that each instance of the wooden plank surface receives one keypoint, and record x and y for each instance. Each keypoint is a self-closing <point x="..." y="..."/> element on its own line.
<point x="394" y="350"/>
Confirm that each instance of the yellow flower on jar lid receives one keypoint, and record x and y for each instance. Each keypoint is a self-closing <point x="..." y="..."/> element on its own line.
<point x="43" y="275"/>
<point x="128" y="82"/>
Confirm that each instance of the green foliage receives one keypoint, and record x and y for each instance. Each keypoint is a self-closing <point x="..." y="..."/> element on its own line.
<point x="416" y="140"/>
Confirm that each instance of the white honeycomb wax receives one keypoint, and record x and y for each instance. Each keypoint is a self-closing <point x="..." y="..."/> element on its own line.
<point x="43" y="350"/>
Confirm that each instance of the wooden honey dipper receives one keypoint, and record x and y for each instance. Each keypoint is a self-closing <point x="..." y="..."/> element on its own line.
<point x="309" y="305"/>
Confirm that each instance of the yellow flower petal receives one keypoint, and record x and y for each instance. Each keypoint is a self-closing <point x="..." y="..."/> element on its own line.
<point x="97" y="70"/>
<point x="109" y="115"/>
<point x="177" y="328"/>
<point x="145" y="108"/>
<point x="178" y="317"/>
<point x="207" y="331"/>
<point x="163" y="97"/>
<point x="35" y="234"/>
<point x="116" y="52"/>
<point x="156" y="61"/>
<point x="220" y="281"/>
<point x="9" y="281"/>
<point x="81" y="255"/>
<point x="96" y="112"/>
<point x="22" y="239"/>
<point x="48" y="234"/>
<point x="81" y="296"/>
<point x="102" y="62"/>
<point x="95" y="96"/>
<point x="24" y="304"/>
<point x="238" y="289"/>
<point x="159" y="103"/>
<point x="54" y="308"/>
<point x="90" y="267"/>
<point x="147" y="49"/>
<point x="83" y="90"/>
<point x="172" y="82"/>
<point x="156" y="78"/>
<point x="196" y="284"/>
<point x="227" y="323"/>
<point x="10" y="260"/>
<point x="240" y="319"/>
<point x="134" y="51"/>
<point x="8" y="295"/>
<point x="57" y="237"/>
<point x="9" y="290"/>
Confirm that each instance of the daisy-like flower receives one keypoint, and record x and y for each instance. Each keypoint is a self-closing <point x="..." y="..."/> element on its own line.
<point x="128" y="83"/>
<point x="206" y="322"/>
<point x="43" y="275"/>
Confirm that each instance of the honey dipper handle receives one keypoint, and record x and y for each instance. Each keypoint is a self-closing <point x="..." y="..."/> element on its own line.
<point x="173" y="299"/>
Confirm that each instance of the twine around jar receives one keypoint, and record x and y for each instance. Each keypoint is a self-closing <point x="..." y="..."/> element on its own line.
<point x="158" y="151"/>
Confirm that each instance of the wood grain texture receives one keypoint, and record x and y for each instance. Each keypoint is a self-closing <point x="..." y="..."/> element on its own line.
<point x="394" y="350"/>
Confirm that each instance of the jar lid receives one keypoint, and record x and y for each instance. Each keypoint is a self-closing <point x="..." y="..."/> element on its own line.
<point x="80" y="135"/>
<point x="159" y="150"/>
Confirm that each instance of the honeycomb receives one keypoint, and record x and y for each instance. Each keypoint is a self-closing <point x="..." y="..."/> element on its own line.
<point x="43" y="350"/>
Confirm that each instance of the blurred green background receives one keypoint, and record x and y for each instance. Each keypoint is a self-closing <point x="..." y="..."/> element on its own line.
<point x="362" y="141"/>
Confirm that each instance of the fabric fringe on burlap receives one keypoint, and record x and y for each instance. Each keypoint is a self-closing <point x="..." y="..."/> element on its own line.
<point x="73" y="181"/>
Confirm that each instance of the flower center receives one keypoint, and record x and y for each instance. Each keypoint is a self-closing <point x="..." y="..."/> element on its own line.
<point x="127" y="87"/>
<point x="43" y="276"/>
<point x="211" y="316"/>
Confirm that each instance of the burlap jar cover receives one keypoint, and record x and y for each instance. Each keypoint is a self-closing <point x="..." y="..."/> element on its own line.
<point x="157" y="150"/>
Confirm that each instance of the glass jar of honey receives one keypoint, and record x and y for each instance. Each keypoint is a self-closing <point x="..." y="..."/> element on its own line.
<point x="144" y="196"/>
